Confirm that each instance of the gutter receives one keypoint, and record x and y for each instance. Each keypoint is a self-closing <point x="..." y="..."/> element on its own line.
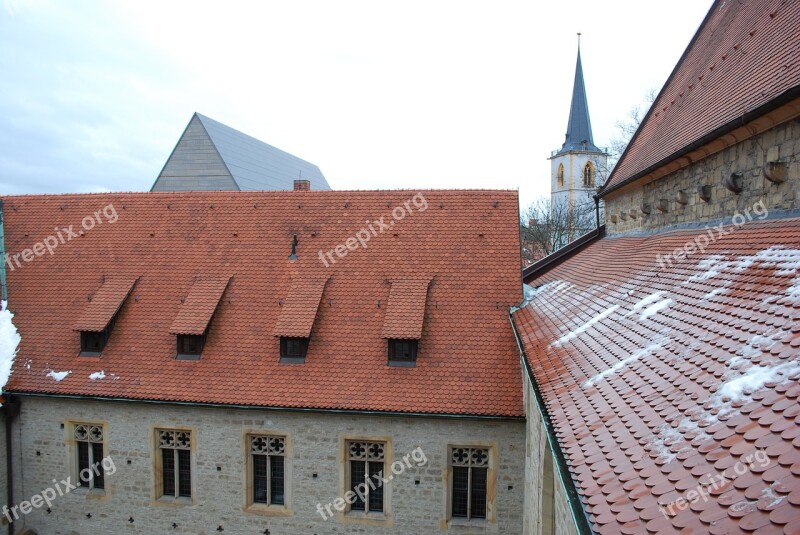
<point x="579" y="516"/>
<point x="277" y="409"/>
<point x="11" y="410"/>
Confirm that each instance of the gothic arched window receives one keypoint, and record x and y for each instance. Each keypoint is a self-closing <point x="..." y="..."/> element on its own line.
<point x="560" y="175"/>
<point x="588" y="175"/>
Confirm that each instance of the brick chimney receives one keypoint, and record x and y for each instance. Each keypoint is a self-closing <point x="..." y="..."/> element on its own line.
<point x="302" y="185"/>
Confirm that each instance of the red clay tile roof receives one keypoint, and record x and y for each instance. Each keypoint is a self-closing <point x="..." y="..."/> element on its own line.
<point x="300" y="308"/>
<point x="466" y="240"/>
<point x="745" y="55"/>
<point x="405" y="310"/>
<point x="659" y="381"/>
<point x="105" y="304"/>
<point x="198" y="307"/>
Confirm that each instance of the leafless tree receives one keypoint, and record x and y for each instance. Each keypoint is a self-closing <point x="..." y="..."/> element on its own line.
<point x="546" y="226"/>
<point x="628" y="126"/>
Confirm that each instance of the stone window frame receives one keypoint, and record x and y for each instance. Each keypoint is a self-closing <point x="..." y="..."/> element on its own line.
<point x="592" y="179"/>
<point x="560" y="175"/>
<point x="375" y="519"/>
<point x="157" y="495"/>
<point x="72" y="454"/>
<point x="249" y="506"/>
<point x="491" y="484"/>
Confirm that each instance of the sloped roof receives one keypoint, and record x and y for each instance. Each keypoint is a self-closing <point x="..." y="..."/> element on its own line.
<point x="198" y="307"/>
<point x="214" y="156"/>
<point x="745" y="57"/>
<point x="579" y="127"/>
<point x="405" y="310"/>
<point x="466" y="241"/>
<point x="104" y="304"/>
<point x="300" y="307"/>
<point x="664" y="376"/>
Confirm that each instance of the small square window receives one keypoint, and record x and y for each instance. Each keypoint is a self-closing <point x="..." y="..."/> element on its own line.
<point x="190" y="346"/>
<point x="403" y="352"/>
<point x="293" y="349"/>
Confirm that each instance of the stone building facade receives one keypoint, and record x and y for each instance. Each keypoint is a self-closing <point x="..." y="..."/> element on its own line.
<point x="750" y="178"/>
<point x="416" y="495"/>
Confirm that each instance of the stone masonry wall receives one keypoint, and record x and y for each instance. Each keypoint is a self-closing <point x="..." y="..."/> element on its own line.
<point x="416" y="497"/>
<point x="780" y="144"/>
<point x="536" y="449"/>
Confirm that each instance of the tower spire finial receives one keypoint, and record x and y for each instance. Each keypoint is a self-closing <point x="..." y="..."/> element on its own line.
<point x="579" y="40"/>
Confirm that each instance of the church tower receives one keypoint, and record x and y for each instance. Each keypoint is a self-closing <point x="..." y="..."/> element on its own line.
<point x="579" y="166"/>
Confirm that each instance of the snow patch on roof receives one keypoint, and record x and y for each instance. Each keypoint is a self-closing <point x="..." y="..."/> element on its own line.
<point x="659" y="444"/>
<point x="97" y="375"/>
<point x="769" y="495"/>
<point x="753" y="379"/>
<point x="586" y="326"/>
<point x="58" y="376"/>
<point x="529" y="292"/>
<point x="715" y="292"/>
<point x="9" y="342"/>
<point x="652" y="348"/>
<point x="655" y="308"/>
<point x="645" y="302"/>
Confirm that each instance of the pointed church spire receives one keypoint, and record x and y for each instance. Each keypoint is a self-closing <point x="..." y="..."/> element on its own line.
<point x="579" y="128"/>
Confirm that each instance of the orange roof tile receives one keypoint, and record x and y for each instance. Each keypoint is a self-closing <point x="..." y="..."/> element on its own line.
<point x="674" y="385"/>
<point x="300" y="308"/>
<point x="405" y="310"/>
<point x="745" y="55"/>
<point x="198" y="307"/>
<point x="104" y="304"/>
<point x="467" y="240"/>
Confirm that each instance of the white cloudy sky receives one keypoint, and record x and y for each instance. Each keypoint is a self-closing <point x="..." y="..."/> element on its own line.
<point x="379" y="94"/>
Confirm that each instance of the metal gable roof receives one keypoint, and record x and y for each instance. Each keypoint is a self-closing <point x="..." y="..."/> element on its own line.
<point x="255" y="165"/>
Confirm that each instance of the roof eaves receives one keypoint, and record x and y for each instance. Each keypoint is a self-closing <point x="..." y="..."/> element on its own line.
<point x="747" y="117"/>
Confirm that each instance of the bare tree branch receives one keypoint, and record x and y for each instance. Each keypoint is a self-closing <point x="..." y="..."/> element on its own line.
<point x="546" y="226"/>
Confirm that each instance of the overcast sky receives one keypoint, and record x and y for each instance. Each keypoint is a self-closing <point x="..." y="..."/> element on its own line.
<point x="407" y="94"/>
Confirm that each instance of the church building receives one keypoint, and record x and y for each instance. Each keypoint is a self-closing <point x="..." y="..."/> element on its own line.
<point x="579" y="166"/>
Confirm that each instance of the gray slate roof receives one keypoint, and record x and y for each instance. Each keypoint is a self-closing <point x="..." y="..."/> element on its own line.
<point x="579" y="128"/>
<point x="212" y="156"/>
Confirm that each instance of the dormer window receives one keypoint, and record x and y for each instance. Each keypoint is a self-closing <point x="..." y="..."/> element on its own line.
<point x="190" y="346"/>
<point x="191" y="325"/>
<point x="403" y="351"/>
<point x="97" y="319"/>
<point x="293" y="349"/>
<point x="296" y="321"/>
